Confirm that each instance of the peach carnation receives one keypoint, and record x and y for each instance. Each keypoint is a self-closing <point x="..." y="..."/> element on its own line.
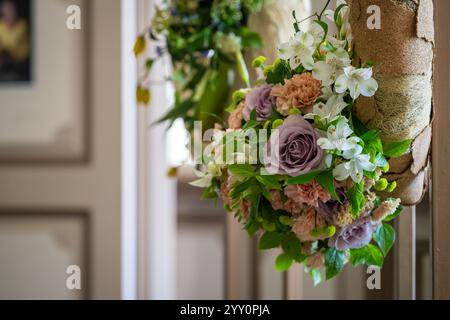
<point x="299" y="92"/>
<point x="235" y="118"/>
<point x="245" y="209"/>
<point x="309" y="194"/>
<point x="316" y="261"/>
<point x="307" y="222"/>
<point x="289" y="206"/>
<point x="225" y="192"/>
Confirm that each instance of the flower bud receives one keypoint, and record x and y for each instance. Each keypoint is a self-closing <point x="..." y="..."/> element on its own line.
<point x="381" y="184"/>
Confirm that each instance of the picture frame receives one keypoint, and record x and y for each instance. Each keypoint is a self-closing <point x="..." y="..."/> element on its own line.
<point x="46" y="119"/>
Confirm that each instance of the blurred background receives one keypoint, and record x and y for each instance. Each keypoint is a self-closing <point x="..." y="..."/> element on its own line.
<point x="83" y="177"/>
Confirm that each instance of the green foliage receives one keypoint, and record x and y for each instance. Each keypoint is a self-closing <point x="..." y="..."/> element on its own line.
<point x="279" y="72"/>
<point x="270" y="240"/>
<point x="304" y="179"/>
<point x="292" y="247"/>
<point x="326" y="180"/>
<point x="369" y="255"/>
<point x="394" y="215"/>
<point x="384" y="236"/>
<point x="397" y="148"/>
<point x="334" y="262"/>
<point x="205" y="41"/>
<point x="355" y="196"/>
<point x="242" y="170"/>
<point x="283" y="262"/>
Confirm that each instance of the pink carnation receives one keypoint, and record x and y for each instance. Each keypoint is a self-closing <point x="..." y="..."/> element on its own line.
<point x="309" y="194"/>
<point x="307" y="222"/>
<point x="289" y="206"/>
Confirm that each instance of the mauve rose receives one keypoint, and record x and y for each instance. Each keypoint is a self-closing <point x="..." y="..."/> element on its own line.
<point x="261" y="100"/>
<point x="293" y="149"/>
<point x="328" y="209"/>
<point x="354" y="236"/>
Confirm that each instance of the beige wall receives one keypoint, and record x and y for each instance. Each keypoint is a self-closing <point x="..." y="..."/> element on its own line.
<point x="93" y="187"/>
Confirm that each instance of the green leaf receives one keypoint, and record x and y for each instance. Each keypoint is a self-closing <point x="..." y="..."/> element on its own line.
<point x="283" y="262"/>
<point x="355" y="196"/>
<point x="280" y="72"/>
<point x="326" y="180"/>
<point x="397" y="148"/>
<point x="250" y="39"/>
<point x="269" y="181"/>
<point x="238" y="191"/>
<point x="384" y="236"/>
<point x="334" y="262"/>
<point x="358" y="126"/>
<point x="315" y="276"/>
<point x="394" y="214"/>
<point x="269" y="240"/>
<point x="305" y="178"/>
<point x="242" y="68"/>
<point x="338" y="10"/>
<point x="242" y="170"/>
<point x="292" y="246"/>
<point x="369" y="255"/>
<point x="370" y="136"/>
<point x="380" y="161"/>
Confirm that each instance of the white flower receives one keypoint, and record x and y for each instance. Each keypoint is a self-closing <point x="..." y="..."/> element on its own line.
<point x="355" y="167"/>
<point x="338" y="137"/>
<point x="327" y="93"/>
<point x="357" y="81"/>
<point x="330" y="111"/>
<point x="329" y="70"/>
<point x="317" y="32"/>
<point x="298" y="51"/>
<point x="205" y="178"/>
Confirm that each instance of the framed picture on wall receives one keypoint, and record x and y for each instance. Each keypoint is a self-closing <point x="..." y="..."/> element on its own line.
<point x="44" y="83"/>
<point x="15" y="41"/>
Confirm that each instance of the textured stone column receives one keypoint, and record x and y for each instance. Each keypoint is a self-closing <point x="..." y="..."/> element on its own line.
<point x="401" y="109"/>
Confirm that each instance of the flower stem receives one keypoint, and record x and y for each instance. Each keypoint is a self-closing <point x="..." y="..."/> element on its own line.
<point x="323" y="10"/>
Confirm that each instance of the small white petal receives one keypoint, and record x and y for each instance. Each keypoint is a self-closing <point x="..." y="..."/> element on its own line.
<point x="294" y="62"/>
<point x="343" y="130"/>
<point x="308" y="62"/>
<point x="307" y="39"/>
<point x="356" y="173"/>
<point x="341" y="84"/>
<point x="285" y="51"/>
<point x="325" y="144"/>
<point x="340" y="172"/>
<point x="368" y="87"/>
<point x="323" y="71"/>
<point x="352" y="152"/>
<point x="328" y="160"/>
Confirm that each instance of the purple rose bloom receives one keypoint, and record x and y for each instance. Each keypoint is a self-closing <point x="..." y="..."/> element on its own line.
<point x="328" y="209"/>
<point x="261" y="100"/>
<point x="354" y="236"/>
<point x="293" y="149"/>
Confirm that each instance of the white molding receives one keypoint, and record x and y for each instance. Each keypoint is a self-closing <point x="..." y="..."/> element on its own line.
<point x="129" y="152"/>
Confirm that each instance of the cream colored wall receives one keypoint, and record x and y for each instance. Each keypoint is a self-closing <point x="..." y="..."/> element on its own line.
<point x="95" y="186"/>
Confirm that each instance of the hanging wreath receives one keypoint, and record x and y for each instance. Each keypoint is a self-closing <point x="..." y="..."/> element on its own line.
<point x="296" y="166"/>
<point x="205" y="40"/>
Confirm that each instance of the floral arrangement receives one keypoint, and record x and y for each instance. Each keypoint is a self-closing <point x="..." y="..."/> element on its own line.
<point x="296" y="166"/>
<point x="205" y="40"/>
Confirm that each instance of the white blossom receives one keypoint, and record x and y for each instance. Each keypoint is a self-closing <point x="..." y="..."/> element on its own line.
<point x="355" y="167"/>
<point x="329" y="70"/>
<point x="298" y="51"/>
<point x="357" y="81"/>
<point x="330" y="111"/>
<point x="338" y="137"/>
